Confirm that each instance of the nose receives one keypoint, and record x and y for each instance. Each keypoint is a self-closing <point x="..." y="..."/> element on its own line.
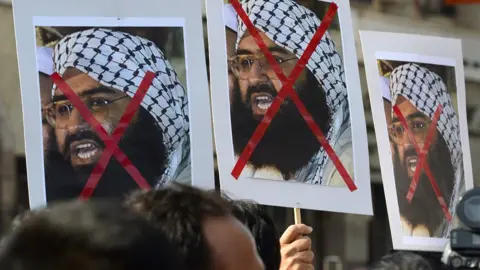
<point x="258" y="73"/>
<point x="75" y="122"/>
<point x="406" y="138"/>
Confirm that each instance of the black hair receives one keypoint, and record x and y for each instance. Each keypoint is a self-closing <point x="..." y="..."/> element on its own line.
<point x="402" y="260"/>
<point x="179" y="211"/>
<point x="94" y="235"/>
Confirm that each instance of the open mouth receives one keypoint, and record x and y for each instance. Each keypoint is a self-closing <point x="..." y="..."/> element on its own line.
<point x="85" y="151"/>
<point x="261" y="102"/>
<point x="412" y="163"/>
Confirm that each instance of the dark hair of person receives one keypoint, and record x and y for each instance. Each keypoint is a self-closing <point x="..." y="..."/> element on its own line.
<point x="179" y="211"/>
<point x="402" y="260"/>
<point x="90" y="235"/>
<point x="263" y="229"/>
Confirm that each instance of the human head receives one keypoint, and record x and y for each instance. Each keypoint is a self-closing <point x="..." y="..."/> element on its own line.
<point x="321" y="86"/>
<point x="200" y="223"/>
<point x="106" y="66"/>
<point x="45" y="69"/>
<point x="90" y="235"/>
<point x="402" y="260"/>
<point x="417" y="92"/>
<point x="263" y="230"/>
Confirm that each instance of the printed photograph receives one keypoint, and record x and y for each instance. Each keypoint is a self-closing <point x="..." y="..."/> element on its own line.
<point x="104" y="67"/>
<point x="288" y="151"/>
<point x="421" y="112"/>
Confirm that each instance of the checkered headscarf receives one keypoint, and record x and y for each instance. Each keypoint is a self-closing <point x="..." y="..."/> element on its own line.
<point x="292" y="26"/>
<point x="120" y="61"/>
<point x="426" y="90"/>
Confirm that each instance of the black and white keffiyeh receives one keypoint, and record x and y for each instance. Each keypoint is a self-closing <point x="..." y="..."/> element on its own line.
<point x="426" y="91"/>
<point x="120" y="61"/>
<point x="292" y="27"/>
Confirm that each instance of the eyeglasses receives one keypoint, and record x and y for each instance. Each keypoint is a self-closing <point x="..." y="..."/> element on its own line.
<point x="241" y="65"/>
<point x="418" y="127"/>
<point x="58" y="113"/>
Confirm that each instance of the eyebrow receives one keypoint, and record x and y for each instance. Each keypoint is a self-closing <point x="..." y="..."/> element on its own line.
<point x="272" y="49"/>
<point x="410" y="117"/>
<point x="98" y="90"/>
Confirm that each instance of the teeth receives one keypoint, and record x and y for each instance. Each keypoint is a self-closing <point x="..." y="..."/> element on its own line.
<point x="85" y="145"/>
<point x="264" y="106"/>
<point x="87" y="155"/>
<point x="412" y="164"/>
<point x="262" y="98"/>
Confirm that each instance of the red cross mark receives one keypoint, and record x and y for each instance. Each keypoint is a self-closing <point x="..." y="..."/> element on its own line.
<point x="111" y="141"/>
<point x="422" y="158"/>
<point x="287" y="91"/>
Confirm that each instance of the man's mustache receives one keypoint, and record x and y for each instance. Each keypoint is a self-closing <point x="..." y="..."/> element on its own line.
<point x="84" y="134"/>
<point x="409" y="150"/>
<point x="266" y="87"/>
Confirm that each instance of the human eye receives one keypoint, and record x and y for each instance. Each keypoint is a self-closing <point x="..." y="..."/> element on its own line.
<point x="63" y="109"/>
<point x="279" y="59"/>
<point x="99" y="102"/>
<point x="245" y="61"/>
<point x="419" y="125"/>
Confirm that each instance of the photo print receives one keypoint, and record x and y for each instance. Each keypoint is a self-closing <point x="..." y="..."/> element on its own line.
<point x="289" y="152"/>
<point x="418" y="114"/>
<point x="104" y="67"/>
<point x="418" y="90"/>
<point x="115" y="100"/>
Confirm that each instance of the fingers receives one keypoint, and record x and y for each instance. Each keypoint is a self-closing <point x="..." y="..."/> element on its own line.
<point x="300" y="260"/>
<point x="299" y="245"/>
<point x="293" y="232"/>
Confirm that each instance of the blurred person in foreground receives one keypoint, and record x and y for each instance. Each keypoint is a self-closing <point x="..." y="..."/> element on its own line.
<point x="290" y="251"/>
<point x="86" y="236"/>
<point x="201" y="224"/>
<point x="403" y="260"/>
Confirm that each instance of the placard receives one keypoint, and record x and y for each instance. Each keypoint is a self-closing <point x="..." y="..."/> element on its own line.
<point x="417" y="93"/>
<point x="305" y="148"/>
<point x="123" y="96"/>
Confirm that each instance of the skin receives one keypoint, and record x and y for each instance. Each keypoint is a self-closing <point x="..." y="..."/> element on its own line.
<point x="45" y="97"/>
<point x="231" y="39"/>
<point x="81" y="84"/>
<point x="296" y="248"/>
<point x="409" y="111"/>
<point x="258" y="74"/>
<point x="232" y="245"/>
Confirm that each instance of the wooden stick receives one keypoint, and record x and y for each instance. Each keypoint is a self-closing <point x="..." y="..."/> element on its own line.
<point x="297" y="215"/>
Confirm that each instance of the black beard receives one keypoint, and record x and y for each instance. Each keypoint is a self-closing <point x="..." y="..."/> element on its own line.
<point x="142" y="143"/>
<point x="424" y="208"/>
<point x="288" y="143"/>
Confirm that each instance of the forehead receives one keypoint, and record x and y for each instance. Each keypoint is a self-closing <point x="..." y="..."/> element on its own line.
<point x="406" y="107"/>
<point x="248" y="42"/>
<point x="79" y="82"/>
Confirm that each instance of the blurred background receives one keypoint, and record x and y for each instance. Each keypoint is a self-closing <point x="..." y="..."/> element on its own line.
<point x="353" y="240"/>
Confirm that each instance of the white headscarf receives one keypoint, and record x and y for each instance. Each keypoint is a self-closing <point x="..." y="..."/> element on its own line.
<point x="120" y="61"/>
<point x="385" y="88"/>
<point x="230" y="16"/>
<point x="44" y="60"/>
<point x="426" y="91"/>
<point x="292" y="27"/>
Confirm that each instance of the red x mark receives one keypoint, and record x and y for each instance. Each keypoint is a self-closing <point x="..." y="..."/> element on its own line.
<point x="112" y="141"/>
<point x="286" y="91"/>
<point x="422" y="156"/>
